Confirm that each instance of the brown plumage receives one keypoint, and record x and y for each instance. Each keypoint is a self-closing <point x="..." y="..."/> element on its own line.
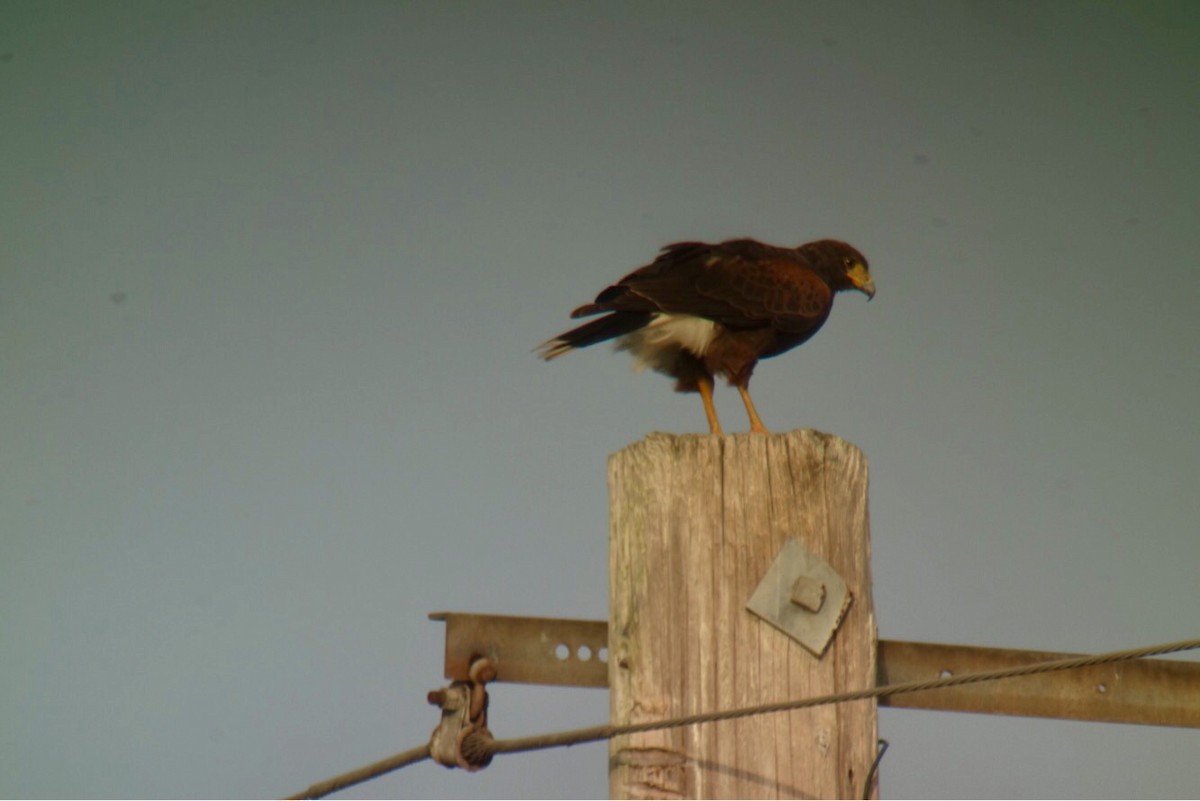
<point x="701" y="310"/>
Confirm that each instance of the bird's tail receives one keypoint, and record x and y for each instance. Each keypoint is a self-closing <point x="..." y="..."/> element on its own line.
<point x="608" y="327"/>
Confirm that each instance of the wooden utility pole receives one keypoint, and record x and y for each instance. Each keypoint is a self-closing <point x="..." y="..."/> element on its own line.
<point x="695" y="523"/>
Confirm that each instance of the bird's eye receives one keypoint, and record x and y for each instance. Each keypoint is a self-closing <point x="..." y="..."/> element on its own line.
<point x="847" y="262"/>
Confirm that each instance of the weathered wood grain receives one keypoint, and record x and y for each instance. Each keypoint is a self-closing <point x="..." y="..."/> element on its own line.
<point x="695" y="523"/>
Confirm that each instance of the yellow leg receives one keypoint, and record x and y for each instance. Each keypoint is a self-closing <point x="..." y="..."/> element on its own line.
<point x="756" y="424"/>
<point x="705" y="385"/>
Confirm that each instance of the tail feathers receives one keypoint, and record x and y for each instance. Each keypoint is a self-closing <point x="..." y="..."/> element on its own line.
<point x="588" y="309"/>
<point x="610" y="327"/>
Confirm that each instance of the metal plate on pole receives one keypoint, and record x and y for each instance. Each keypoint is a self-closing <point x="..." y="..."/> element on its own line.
<point x="802" y="596"/>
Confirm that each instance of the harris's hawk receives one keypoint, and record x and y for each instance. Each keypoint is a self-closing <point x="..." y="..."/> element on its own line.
<point x="701" y="310"/>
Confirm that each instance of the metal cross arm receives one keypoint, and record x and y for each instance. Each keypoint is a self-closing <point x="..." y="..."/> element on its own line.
<point x="574" y="653"/>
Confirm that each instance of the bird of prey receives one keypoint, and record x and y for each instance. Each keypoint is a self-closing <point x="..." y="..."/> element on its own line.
<point x="701" y="310"/>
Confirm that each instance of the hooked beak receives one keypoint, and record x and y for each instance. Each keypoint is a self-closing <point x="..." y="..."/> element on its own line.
<point x="862" y="280"/>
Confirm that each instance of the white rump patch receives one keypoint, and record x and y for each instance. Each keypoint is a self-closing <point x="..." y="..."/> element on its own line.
<point x="658" y="343"/>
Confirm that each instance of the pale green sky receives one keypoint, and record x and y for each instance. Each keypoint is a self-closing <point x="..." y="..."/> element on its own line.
<point x="270" y="279"/>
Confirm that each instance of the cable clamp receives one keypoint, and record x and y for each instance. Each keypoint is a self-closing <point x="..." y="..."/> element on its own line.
<point x="462" y="739"/>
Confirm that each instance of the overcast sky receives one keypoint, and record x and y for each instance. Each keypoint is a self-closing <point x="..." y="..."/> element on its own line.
<point x="271" y="275"/>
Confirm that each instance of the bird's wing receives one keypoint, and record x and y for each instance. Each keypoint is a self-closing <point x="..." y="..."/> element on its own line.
<point x="740" y="284"/>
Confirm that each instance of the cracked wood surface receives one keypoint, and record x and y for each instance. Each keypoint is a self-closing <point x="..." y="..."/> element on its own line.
<point x="695" y="521"/>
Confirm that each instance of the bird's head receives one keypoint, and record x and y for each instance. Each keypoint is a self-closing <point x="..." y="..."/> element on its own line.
<point x="842" y="265"/>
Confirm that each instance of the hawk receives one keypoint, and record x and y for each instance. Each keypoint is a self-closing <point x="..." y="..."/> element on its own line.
<point x="701" y="310"/>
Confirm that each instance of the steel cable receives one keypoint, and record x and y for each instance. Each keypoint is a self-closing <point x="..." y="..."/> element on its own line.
<point x="478" y="748"/>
